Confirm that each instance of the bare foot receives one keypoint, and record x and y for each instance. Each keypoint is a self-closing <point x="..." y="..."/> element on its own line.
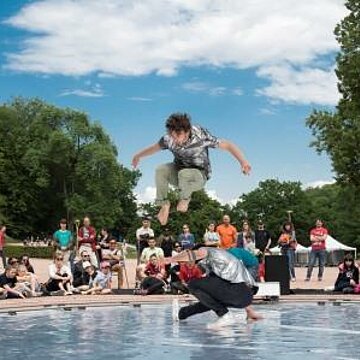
<point x="183" y="205"/>
<point x="251" y="315"/>
<point x="163" y="214"/>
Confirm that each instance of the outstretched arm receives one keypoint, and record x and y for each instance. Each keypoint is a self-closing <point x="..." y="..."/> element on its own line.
<point x="146" y="152"/>
<point x="237" y="154"/>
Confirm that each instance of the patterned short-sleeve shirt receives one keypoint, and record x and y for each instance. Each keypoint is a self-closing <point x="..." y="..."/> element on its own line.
<point x="194" y="152"/>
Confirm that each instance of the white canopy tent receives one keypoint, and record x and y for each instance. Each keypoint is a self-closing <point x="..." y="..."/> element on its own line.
<point x="334" y="248"/>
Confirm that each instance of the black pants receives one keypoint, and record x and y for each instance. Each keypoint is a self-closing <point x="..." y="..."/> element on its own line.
<point x="217" y="295"/>
<point x="179" y="286"/>
<point x="153" y="285"/>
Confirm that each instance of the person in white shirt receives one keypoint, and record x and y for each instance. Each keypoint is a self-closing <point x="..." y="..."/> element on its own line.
<point x="143" y="234"/>
<point x="60" y="282"/>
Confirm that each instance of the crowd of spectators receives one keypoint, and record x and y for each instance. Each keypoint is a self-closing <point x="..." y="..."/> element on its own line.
<point x="84" y="264"/>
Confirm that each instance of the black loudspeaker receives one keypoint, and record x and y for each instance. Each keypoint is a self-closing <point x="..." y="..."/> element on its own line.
<point x="276" y="269"/>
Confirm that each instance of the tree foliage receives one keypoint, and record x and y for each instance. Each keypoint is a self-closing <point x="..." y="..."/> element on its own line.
<point x="338" y="133"/>
<point x="55" y="163"/>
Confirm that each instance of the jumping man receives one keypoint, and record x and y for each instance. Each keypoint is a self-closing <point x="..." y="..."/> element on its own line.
<point x="191" y="166"/>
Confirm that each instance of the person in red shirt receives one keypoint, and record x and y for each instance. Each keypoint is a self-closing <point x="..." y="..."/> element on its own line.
<point x="227" y="233"/>
<point x="187" y="272"/>
<point x="87" y="241"/>
<point x="2" y="244"/>
<point x="318" y="237"/>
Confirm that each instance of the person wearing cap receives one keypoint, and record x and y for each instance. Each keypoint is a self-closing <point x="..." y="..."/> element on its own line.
<point x="226" y="284"/>
<point x="63" y="240"/>
<point x="81" y="277"/>
<point x="191" y="166"/>
<point x="100" y="280"/>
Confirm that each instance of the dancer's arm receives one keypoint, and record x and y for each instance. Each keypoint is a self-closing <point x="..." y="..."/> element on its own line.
<point x="237" y="154"/>
<point x="145" y="152"/>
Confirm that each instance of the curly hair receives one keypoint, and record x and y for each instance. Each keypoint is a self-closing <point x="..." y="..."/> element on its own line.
<point x="178" y="122"/>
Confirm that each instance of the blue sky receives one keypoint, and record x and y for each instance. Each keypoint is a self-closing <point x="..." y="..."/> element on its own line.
<point x="249" y="71"/>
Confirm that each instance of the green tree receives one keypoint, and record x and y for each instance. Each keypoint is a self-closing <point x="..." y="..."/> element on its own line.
<point x="338" y="133"/>
<point x="60" y="165"/>
<point x="270" y="202"/>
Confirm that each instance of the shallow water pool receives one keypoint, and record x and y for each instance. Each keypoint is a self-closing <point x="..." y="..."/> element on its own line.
<point x="289" y="331"/>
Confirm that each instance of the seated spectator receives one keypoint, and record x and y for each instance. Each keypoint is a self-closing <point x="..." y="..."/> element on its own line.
<point x="10" y="286"/>
<point x="154" y="280"/>
<point x="103" y="242"/>
<point x="81" y="277"/>
<point x="348" y="277"/>
<point x="152" y="249"/>
<point x="187" y="271"/>
<point x="100" y="280"/>
<point x="26" y="261"/>
<point x="211" y="236"/>
<point x="186" y="238"/>
<point x="60" y="282"/>
<point x="13" y="261"/>
<point x="115" y="258"/>
<point x="29" y="280"/>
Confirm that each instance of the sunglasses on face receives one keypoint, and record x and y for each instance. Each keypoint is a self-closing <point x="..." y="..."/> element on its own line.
<point x="60" y="259"/>
<point x="86" y="256"/>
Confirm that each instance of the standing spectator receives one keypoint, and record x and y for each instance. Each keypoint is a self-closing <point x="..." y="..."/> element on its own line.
<point x="211" y="236"/>
<point x="318" y="237"/>
<point x="287" y="243"/>
<point x="103" y="242"/>
<point x="143" y="234"/>
<point x="348" y="277"/>
<point x="262" y="238"/>
<point x="245" y="233"/>
<point x="25" y="260"/>
<point x="227" y="233"/>
<point x="166" y="242"/>
<point x="63" y="240"/>
<point x="87" y="240"/>
<point x="2" y="244"/>
<point x="186" y="238"/>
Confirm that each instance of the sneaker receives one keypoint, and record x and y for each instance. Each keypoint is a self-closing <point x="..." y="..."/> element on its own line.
<point x="175" y="310"/>
<point x="319" y="278"/>
<point x="293" y="279"/>
<point x="222" y="321"/>
<point x="307" y="279"/>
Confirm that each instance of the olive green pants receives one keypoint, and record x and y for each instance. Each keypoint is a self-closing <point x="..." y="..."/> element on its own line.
<point x="186" y="180"/>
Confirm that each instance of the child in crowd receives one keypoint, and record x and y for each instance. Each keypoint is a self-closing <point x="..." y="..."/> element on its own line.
<point x="100" y="280"/>
<point x="348" y="277"/>
<point x="29" y="280"/>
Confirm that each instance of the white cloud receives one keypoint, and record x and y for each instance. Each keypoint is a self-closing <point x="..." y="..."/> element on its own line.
<point x="318" y="184"/>
<point x="148" y="195"/>
<point x="303" y="86"/>
<point x="138" y="98"/>
<point x="133" y="37"/>
<point x="92" y="91"/>
<point x="203" y="87"/>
